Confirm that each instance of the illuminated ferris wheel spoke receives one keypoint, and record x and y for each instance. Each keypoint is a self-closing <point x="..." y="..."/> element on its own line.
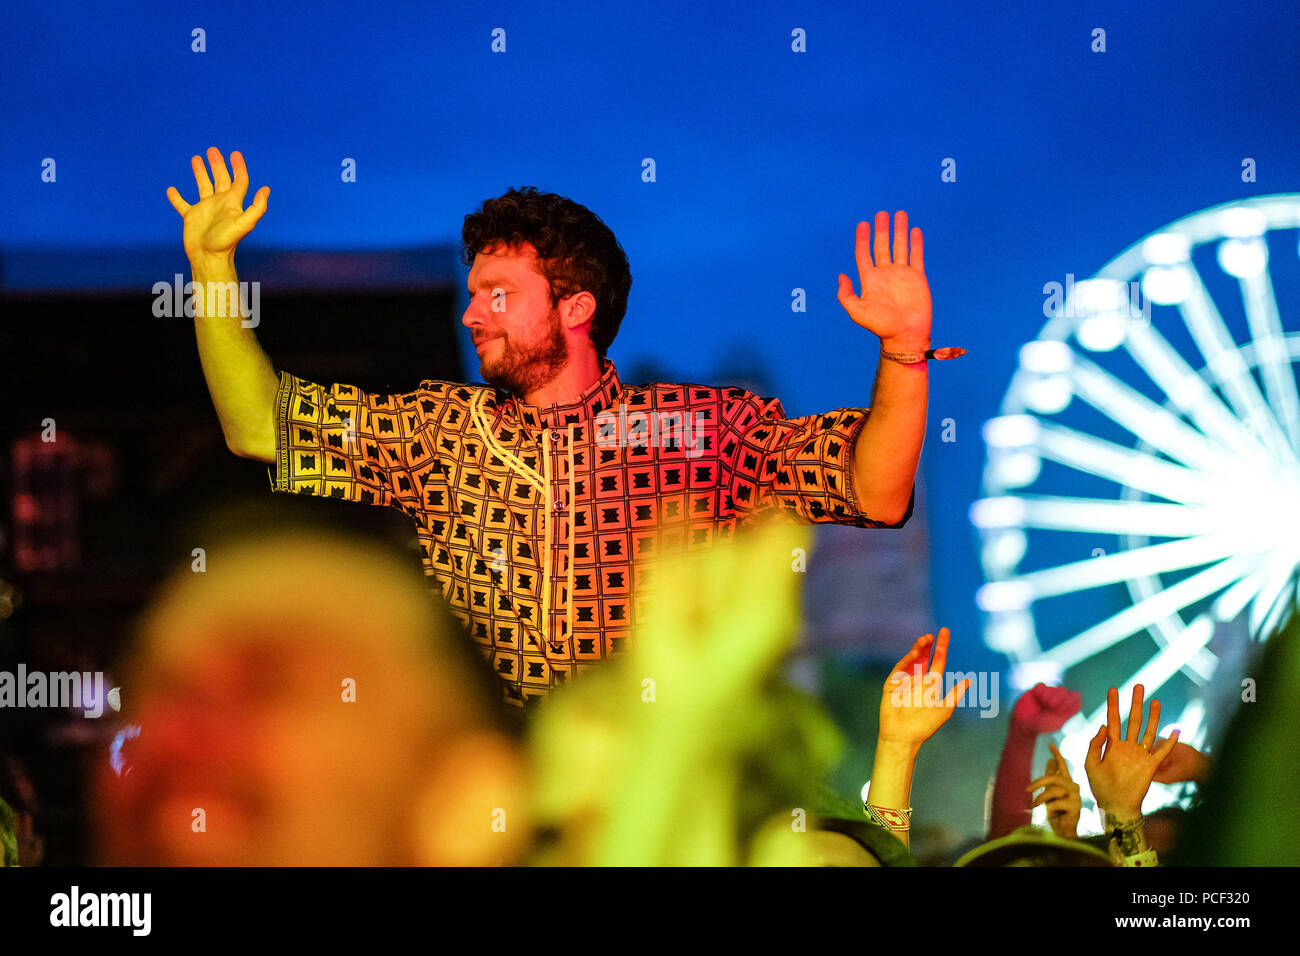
<point x="1276" y="615"/>
<point x="1176" y="656"/>
<point x="1148" y="611"/>
<point x="1158" y="427"/>
<point x="1126" y="466"/>
<point x="1274" y="357"/>
<point x="1113" y="568"/>
<point x="1266" y="605"/>
<point x="1168" y="662"/>
<point x="1191" y="721"/>
<point x="1056" y="513"/>
<point x="1189" y="393"/>
<point x="1227" y="368"/>
<point x="1235" y="599"/>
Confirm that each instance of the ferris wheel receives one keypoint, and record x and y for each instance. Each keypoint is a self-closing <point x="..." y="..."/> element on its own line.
<point x="1140" y="511"/>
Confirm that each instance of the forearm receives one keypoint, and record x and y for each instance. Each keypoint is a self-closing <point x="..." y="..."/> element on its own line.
<point x="239" y="374"/>
<point x="888" y="448"/>
<point x="891" y="778"/>
<point x="1012" y="804"/>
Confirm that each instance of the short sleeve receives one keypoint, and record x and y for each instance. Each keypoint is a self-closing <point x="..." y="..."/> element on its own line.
<point x="340" y="442"/>
<point x="800" y="466"/>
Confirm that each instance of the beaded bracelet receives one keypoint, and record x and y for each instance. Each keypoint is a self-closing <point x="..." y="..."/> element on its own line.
<point x="889" y="817"/>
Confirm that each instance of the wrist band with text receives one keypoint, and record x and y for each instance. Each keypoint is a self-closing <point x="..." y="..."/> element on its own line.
<point x="913" y="358"/>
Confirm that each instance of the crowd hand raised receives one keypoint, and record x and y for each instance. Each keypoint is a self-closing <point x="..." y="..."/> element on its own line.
<point x="1121" y="775"/>
<point x="1044" y="709"/>
<point x="1060" y="795"/>
<point x="1184" y="763"/>
<point x="911" y="708"/>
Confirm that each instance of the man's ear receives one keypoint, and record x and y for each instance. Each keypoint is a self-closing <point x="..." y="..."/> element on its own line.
<point x="472" y="809"/>
<point x="577" y="310"/>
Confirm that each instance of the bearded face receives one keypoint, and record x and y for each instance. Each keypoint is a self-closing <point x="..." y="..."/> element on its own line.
<point x="517" y="330"/>
<point x="522" y="359"/>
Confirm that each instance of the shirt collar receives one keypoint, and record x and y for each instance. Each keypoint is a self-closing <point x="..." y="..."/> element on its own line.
<point x="602" y="394"/>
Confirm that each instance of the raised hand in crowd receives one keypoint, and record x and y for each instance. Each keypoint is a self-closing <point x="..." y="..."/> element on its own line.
<point x="1042" y="709"/>
<point x="1060" y="795"/>
<point x="912" y="707"/>
<point x="1120" y="768"/>
<point x="1185" y="764"/>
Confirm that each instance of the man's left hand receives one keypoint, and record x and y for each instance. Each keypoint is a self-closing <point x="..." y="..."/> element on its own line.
<point x="895" y="300"/>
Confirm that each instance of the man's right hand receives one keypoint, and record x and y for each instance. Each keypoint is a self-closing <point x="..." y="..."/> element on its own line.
<point x="215" y="224"/>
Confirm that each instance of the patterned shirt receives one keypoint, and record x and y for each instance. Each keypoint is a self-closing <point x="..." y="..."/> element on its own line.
<point x="540" y="526"/>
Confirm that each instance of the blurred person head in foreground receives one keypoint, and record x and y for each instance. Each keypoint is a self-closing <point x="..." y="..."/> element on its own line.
<point x="1034" y="846"/>
<point x="305" y="700"/>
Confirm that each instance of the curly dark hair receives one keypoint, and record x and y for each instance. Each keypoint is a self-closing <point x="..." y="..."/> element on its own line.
<point x="576" y="251"/>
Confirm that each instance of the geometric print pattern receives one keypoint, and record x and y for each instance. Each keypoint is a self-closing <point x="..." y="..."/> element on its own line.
<point x="539" y="527"/>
